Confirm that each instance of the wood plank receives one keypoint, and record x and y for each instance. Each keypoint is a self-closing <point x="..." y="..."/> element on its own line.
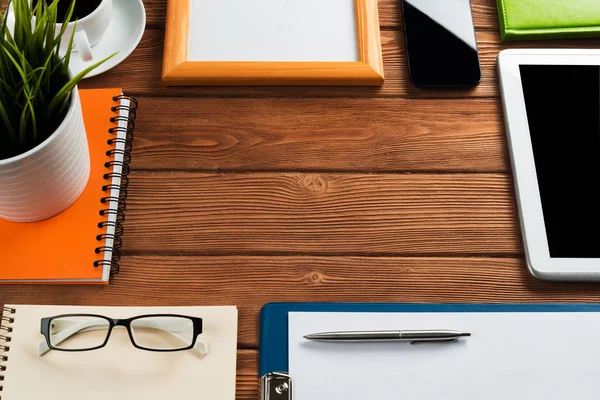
<point x="390" y="17"/>
<point x="291" y="213"/>
<point x="319" y="135"/>
<point x="251" y="282"/>
<point x="247" y="384"/>
<point x="140" y="74"/>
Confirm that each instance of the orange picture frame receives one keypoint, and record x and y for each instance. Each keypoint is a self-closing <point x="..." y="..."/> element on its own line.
<point x="179" y="71"/>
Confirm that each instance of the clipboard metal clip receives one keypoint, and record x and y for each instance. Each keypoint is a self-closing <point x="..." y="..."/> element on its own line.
<point x="276" y="386"/>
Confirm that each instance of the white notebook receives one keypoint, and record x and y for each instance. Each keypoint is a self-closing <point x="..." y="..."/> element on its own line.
<point x="534" y="356"/>
<point x="119" y="370"/>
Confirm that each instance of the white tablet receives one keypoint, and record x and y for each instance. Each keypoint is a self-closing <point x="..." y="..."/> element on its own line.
<point x="552" y="111"/>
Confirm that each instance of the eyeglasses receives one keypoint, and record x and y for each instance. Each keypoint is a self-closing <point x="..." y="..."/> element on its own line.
<point x="156" y="332"/>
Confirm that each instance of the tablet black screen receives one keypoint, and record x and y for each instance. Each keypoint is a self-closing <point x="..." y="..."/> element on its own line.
<point x="563" y="111"/>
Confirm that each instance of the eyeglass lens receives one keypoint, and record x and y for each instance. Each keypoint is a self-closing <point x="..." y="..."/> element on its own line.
<point x="162" y="333"/>
<point x="78" y="332"/>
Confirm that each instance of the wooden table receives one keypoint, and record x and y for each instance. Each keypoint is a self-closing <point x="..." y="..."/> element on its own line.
<point x="246" y="196"/>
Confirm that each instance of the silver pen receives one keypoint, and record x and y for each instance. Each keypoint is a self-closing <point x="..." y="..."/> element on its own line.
<point x="439" y="335"/>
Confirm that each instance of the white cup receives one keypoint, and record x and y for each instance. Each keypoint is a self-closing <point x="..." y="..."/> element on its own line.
<point x="90" y="30"/>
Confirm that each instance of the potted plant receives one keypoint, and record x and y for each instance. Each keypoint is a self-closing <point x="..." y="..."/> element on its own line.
<point x="44" y="156"/>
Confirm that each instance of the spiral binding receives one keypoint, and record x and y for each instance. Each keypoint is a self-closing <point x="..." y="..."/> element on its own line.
<point x="6" y="329"/>
<point x="118" y="213"/>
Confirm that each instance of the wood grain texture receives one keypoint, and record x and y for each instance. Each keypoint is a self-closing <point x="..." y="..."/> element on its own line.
<point x="392" y="135"/>
<point x="390" y="17"/>
<point x="145" y="65"/>
<point x="247" y="384"/>
<point x="251" y="282"/>
<point x="291" y="213"/>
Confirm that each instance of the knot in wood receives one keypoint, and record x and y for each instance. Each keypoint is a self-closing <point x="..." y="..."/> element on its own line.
<point x="314" y="183"/>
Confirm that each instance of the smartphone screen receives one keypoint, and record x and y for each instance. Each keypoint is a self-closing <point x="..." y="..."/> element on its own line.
<point x="440" y="43"/>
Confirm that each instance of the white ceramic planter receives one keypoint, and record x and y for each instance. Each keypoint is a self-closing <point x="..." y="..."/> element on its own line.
<point x="49" y="178"/>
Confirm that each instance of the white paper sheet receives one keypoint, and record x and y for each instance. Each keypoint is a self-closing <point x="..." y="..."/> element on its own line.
<point x="533" y="356"/>
<point x="273" y="30"/>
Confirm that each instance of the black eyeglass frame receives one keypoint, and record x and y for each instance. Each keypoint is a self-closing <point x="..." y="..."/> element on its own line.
<point x="196" y="322"/>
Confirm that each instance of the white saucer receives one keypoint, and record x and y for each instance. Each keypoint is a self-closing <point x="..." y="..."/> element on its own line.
<point x="123" y="35"/>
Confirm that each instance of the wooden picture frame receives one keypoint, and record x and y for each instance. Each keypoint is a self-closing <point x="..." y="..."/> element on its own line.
<point x="179" y="71"/>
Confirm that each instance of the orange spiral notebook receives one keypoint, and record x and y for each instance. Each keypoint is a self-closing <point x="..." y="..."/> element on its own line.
<point x="81" y="244"/>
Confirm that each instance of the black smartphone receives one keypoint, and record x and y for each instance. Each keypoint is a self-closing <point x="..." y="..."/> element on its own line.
<point x="440" y="43"/>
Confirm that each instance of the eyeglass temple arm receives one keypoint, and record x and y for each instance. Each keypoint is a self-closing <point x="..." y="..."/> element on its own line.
<point x="43" y="348"/>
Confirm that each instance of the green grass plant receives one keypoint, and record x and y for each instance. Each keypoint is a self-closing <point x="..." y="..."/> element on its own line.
<point x="35" y="86"/>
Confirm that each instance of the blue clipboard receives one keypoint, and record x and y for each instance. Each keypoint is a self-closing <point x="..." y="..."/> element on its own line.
<point x="274" y="329"/>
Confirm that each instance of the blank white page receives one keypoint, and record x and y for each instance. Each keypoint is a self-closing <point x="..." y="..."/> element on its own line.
<point x="534" y="356"/>
<point x="272" y="30"/>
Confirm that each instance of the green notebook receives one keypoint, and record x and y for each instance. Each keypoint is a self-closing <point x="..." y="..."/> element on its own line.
<point x="548" y="19"/>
